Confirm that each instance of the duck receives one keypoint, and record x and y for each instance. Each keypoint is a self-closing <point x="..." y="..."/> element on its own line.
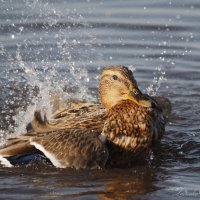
<point x="88" y="135"/>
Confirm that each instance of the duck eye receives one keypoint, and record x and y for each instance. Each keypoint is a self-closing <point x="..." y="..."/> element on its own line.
<point x="115" y="77"/>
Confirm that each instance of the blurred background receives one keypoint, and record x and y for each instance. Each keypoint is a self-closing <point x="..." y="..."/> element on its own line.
<point x="58" y="48"/>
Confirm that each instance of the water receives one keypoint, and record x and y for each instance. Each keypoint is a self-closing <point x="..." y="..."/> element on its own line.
<point x="57" y="49"/>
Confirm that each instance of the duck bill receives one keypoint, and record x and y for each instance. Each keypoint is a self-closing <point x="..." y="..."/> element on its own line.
<point x="139" y="99"/>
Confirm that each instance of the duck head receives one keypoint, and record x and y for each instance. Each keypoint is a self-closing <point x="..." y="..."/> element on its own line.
<point x="117" y="83"/>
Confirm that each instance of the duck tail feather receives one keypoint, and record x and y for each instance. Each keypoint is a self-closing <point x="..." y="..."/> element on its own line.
<point x="40" y="123"/>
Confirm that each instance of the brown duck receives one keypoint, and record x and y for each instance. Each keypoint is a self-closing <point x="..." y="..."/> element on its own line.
<point x="91" y="135"/>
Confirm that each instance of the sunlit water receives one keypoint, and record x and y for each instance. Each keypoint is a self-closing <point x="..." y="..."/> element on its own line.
<point x="55" y="50"/>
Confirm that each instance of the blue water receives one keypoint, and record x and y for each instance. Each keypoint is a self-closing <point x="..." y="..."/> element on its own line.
<point x="58" y="48"/>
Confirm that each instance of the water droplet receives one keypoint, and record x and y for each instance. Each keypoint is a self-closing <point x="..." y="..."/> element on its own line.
<point x="21" y="28"/>
<point x="151" y="156"/>
<point x="181" y="152"/>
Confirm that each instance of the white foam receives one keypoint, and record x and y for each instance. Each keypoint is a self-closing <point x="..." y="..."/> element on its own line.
<point x="5" y="162"/>
<point x="49" y="155"/>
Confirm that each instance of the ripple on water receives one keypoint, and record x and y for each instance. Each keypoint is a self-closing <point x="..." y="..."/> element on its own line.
<point x="63" y="46"/>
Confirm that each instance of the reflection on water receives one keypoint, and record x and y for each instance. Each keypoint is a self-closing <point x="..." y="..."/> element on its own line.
<point x="61" y="184"/>
<point x="57" y="49"/>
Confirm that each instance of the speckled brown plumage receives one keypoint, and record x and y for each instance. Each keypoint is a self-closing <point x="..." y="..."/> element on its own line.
<point x="73" y="148"/>
<point x="125" y="120"/>
<point x="79" y="116"/>
<point x="131" y="129"/>
<point x="128" y="120"/>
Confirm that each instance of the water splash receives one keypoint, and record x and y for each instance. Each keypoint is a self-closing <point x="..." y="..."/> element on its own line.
<point x="2" y="138"/>
<point x="48" y="81"/>
<point x="132" y="68"/>
<point x="159" y="77"/>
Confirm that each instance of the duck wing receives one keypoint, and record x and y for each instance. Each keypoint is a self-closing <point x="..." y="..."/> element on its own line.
<point x="165" y="104"/>
<point x="162" y="113"/>
<point x="90" y="116"/>
<point x="62" y="148"/>
<point x="72" y="149"/>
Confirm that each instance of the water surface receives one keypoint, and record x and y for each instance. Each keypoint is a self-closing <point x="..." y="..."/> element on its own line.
<point x="49" y="47"/>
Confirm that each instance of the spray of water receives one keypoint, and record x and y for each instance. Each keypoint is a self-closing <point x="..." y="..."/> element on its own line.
<point x="159" y="77"/>
<point x="49" y="80"/>
<point x="2" y="138"/>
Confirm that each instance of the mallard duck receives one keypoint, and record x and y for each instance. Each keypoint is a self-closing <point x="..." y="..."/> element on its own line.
<point x="91" y="135"/>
